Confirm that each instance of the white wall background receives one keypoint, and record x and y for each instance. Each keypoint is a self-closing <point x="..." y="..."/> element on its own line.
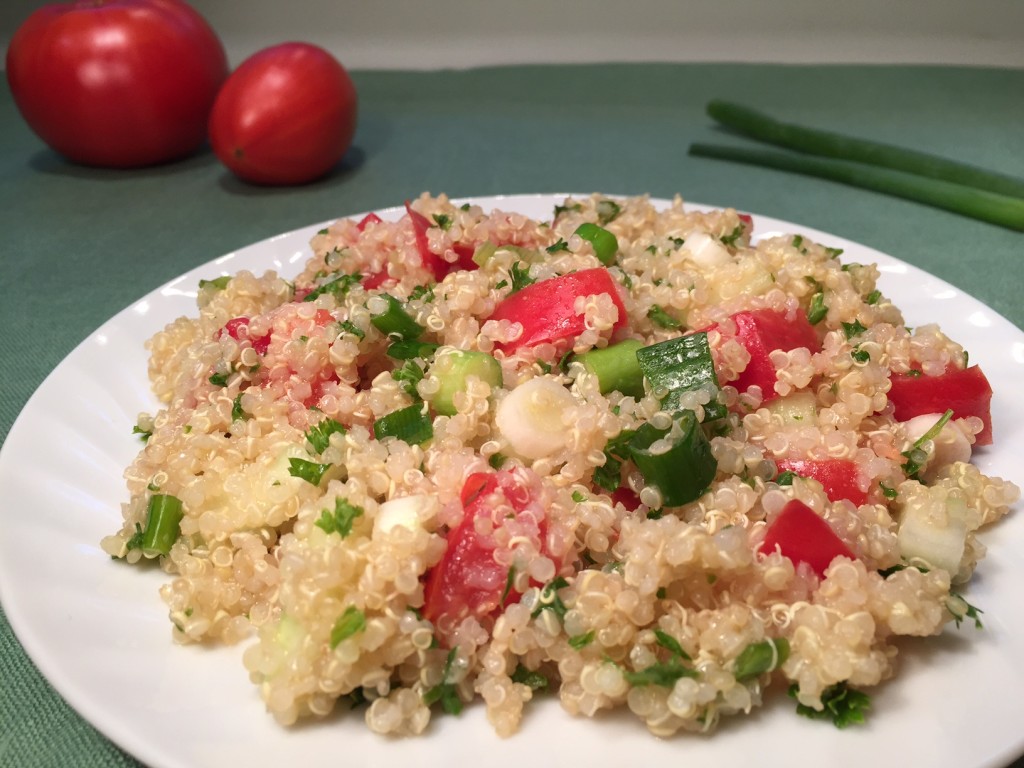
<point x="428" y="34"/>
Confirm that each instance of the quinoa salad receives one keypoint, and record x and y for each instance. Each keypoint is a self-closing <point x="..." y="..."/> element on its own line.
<point x="632" y="457"/>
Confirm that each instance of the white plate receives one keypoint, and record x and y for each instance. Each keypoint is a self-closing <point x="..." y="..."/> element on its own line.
<point x="99" y="633"/>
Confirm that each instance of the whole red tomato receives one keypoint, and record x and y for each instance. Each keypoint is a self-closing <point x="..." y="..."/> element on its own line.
<point x="120" y="83"/>
<point x="287" y="115"/>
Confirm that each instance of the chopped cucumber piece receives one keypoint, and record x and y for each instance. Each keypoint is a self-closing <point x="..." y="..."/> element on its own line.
<point x="453" y="368"/>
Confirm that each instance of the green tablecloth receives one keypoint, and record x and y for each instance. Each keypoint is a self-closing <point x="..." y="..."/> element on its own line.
<point x="80" y="244"/>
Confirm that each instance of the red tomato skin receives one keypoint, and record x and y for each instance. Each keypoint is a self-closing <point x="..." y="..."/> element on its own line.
<point x="117" y="83"/>
<point x="804" y="537"/>
<point x="468" y="580"/>
<point x="762" y="331"/>
<point x="966" y="391"/>
<point x="285" y="116"/>
<point x="546" y="309"/>
<point x="837" y="476"/>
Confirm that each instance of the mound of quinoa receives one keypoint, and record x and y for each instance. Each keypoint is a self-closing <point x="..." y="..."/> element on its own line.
<point x="609" y="588"/>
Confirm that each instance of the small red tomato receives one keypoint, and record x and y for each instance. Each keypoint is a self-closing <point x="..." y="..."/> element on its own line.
<point x="117" y="83"/>
<point x="287" y="115"/>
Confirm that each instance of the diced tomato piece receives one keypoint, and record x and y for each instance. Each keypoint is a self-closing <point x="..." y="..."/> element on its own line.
<point x="367" y="220"/>
<point x="762" y="331"/>
<point x="465" y="253"/>
<point x="438" y="266"/>
<point x="233" y="328"/>
<point x="547" y="310"/>
<point x="376" y="279"/>
<point x="469" y="581"/>
<point x="964" y="390"/>
<point x="837" y="476"/>
<point x="626" y="497"/>
<point x="317" y="388"/>
<point x="748" y="220"/>
<point x="804" y="537"/>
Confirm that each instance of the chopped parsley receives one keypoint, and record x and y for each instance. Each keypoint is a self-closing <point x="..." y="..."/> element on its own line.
<point x="578" y="642"/>
<point x="320" y="436"/>
<point x="423" y="292"/>
<point x="309" y="471"/>
<point x="733" y="236"/>
<point x="798" y="243"/>
<point x="561" y="245"/>
<point x="532" y="679"/>
<point x="860" y="355"/>
<point x="560" y="209"/>
<point x="409" y="375"/>
<point x="351" y="622"/>
<point x="873" y="297"/>
<point x="409" y="349"/>
<point x="549" y="599"/>
<point x="338" y="287"/>
<point x="221" y="379"/>
<point x="916" y="456"/>
<point x="519" y="276"/>
<point x="962" y="610"/>
<point x="616" y="450"/>
<point x="339" y="521"/>
<point x="607" y="211"/>
<point x="662" y="319"/>
<point x="347" y="326"/>
<point x="443" y="221"/>
<point x="853" y="329"/>
<point x="818" y="310"/>
<point x="669" y="643"/>
<point x="786" y="478"/>
<point x="843" y="705"/>
<point x="758" y="658"/>
<point x="663" y="673"/>
<point x="217" y="284"/>
<point x="144" y="434"/>
<point x="510" y="580"/>
<point x="236" y="409"/>
<point x="445" y="692"/>
<point x="135" y="542"/>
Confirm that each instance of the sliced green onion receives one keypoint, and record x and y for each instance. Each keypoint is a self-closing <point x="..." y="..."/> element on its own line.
<point x="828" y="144"/>
<point x="163" y="524"/>
<point x="606" y="245"/>
<point x="394" y="321"/>
<point x="681" y="365"/>
<point x="411" y="424"/>
<point x="616" y="367"/>
<point x="967" y="201"/>
<point x="678" y="460"/>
